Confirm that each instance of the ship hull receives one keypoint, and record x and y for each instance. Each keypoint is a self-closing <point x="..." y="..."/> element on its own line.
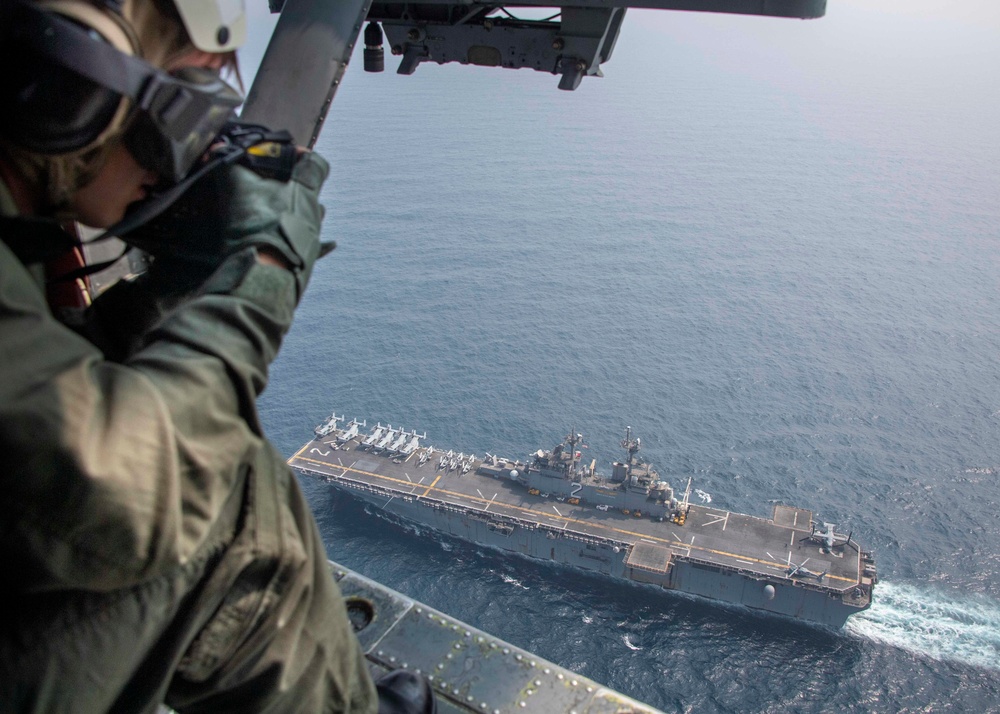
<point x="549" y="545"/>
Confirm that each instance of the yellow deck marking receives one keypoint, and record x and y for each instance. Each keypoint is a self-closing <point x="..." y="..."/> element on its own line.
<point x="759" y="561"/>
<point x="431" y="487"/>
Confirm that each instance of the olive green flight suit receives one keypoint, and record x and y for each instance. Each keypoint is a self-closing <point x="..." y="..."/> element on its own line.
<point x="155" y="547"/>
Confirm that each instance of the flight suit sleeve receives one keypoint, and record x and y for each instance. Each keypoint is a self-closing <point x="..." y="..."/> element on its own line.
<point x="116" y="471"/>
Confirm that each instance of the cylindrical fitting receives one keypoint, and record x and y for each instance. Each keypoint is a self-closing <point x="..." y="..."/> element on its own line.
<point x="374" y="54"/>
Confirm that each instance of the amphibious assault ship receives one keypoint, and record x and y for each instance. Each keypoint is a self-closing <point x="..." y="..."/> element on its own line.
<point x="553" y="506"/>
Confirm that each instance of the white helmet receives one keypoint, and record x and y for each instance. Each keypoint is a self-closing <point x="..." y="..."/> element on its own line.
<point x="214" y="25"/>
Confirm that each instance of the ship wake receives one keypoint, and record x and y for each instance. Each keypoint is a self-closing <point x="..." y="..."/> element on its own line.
<point x="965" y="630"/>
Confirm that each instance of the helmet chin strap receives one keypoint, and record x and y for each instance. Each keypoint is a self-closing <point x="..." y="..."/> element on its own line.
<point x="234" y="144"/>
<point x="145" y="211"/>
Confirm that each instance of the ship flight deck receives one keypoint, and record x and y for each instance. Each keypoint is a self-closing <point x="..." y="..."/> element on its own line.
<point x="782" y="550"/>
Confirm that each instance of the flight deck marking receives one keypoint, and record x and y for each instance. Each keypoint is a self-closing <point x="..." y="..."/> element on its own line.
<point x="721" y="519"/>
<point x="487" y="506"/>
<point x="431" y="487"/>
<point x="587" y="524"/>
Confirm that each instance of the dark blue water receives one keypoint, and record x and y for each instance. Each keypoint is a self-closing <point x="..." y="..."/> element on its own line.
<point x="773" y="249"/>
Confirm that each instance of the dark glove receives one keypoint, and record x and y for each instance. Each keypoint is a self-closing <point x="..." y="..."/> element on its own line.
<point x="233" y="210"/>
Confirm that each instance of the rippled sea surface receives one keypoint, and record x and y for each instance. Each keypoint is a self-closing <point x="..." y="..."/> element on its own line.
<point x="774" y="254"/>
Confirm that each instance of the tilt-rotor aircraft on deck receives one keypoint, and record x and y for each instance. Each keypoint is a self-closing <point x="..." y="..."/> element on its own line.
<point x="657" y="542"/>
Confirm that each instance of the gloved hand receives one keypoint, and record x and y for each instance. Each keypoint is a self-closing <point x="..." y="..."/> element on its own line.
<point x="233" y="210"/>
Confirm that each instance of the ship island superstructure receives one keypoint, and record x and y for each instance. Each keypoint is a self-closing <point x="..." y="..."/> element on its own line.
<point x="553" y="506"/>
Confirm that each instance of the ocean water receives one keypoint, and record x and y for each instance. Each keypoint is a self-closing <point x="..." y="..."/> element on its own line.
<point x="770" y="247"/>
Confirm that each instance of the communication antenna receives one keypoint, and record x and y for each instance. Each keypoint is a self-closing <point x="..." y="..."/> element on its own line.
<point x="573" y="439"/>
<point x="631" y="447"/>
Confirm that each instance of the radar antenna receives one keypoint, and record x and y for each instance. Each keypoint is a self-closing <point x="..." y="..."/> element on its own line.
<point x="573" y="439"/>
<point x="631" y="446"/>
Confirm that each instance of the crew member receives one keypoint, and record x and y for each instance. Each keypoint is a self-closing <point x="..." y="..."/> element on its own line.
<point x="154" y="547"/>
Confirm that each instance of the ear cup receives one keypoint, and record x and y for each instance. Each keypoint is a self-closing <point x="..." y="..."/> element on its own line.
<point x="49" y="109"/>
<point x="46" y="107"/>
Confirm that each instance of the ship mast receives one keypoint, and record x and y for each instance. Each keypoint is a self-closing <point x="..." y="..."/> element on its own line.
<point x="573" y="439"/>
<point x="631" y="446"/>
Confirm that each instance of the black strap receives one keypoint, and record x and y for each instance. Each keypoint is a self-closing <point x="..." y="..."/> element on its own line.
<point x="149" y="209"/>
<point x="39" y="240"/>
<point x="61" y="40"/>
<point x="88" y="269"/>
<point x="35" y="240"/>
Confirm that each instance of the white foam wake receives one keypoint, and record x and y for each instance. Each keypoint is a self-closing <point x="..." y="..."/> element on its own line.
<point x="965" y="630"/>
<point x="628" y="643"/>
